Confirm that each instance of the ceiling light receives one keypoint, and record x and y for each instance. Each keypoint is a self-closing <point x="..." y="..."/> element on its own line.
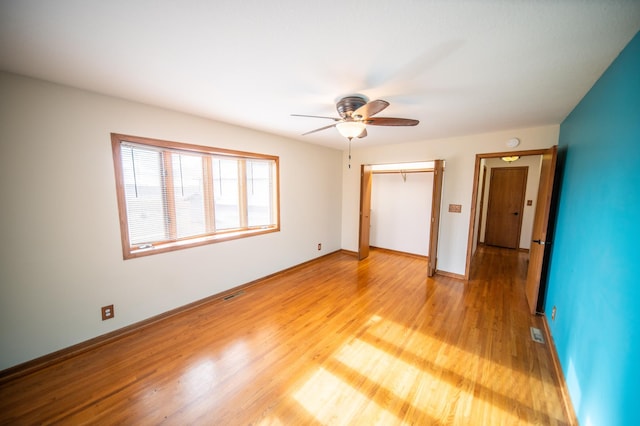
<point x="350" y="129"/>
<point x="511" y="159"/>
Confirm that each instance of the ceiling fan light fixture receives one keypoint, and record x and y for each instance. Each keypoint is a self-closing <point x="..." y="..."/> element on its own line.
<point x="350" y="129"/>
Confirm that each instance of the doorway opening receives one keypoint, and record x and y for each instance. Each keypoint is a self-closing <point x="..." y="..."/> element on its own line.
<point x="406" y="208"/>
<point x="484" y="166"/>
<point x="541" y="234"/>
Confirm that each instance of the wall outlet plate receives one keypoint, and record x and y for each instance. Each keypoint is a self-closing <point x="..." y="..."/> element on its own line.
<point x="107" y="312"/>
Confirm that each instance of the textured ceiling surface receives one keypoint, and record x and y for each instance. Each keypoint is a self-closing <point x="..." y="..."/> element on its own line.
<point x="460" y="67"/>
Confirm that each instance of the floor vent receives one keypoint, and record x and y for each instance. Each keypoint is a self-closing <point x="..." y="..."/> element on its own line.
<point x="536" y="335"/>
<point x="233" y="295"/>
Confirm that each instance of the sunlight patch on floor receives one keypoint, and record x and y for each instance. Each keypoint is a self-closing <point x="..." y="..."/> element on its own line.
<point x="331" y="400"/>
<point x="270" y="421"/>
<point x="379" y="366"/>
<point x="430" y="390"/>
<point x="446" y="352"/>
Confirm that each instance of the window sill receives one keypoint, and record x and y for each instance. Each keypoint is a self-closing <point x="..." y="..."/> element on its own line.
<point x="134" y="252"/>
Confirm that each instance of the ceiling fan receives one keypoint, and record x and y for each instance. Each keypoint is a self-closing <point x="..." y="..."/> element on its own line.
<point x="355" y="113"/>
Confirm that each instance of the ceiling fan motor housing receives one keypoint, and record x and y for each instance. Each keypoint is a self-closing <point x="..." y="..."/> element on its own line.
<point x="347" y="105"/>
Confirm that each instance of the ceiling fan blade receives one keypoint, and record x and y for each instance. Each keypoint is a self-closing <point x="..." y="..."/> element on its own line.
<point x="363" y="134"/>
<point x="390" y="121"/>
<point x="321" y="128"/>
<point x="316" y="116"/>
<point x="369" y="109"/>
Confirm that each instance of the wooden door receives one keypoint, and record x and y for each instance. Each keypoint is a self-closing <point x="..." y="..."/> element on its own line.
<point x="539" y="252"/>
<point x="482" y="192"/>
<point x="438" y="174"/>
<point x="365" y="211"/>
<point x="506" y="203"/>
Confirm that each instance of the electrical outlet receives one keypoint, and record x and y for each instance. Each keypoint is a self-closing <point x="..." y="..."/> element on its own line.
<point x="107" y="312"/>
<point x="319" y="246"/>
<point x="553" y="314"/>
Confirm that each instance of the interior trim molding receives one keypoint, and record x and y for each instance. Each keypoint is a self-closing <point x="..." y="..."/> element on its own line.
<point x="36" y="364"/>
<point x="564" y="390"/>
<point x="451" y="275"/>
<point x="402" y="253"/>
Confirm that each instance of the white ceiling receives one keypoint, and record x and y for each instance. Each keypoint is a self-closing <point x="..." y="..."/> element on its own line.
<point x="460" y="67"/>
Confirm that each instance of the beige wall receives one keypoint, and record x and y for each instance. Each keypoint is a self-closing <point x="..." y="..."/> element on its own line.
<point x="61" y="257"/>
<point x="459" y="154"/>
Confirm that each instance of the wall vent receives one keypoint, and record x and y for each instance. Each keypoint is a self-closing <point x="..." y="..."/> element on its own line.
<point x="536" y="335"/>
<point x="233" y="295"/>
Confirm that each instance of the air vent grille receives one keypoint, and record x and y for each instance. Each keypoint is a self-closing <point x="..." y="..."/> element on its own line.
<point x="536" y="335"/>
<point x="233" y="295"/>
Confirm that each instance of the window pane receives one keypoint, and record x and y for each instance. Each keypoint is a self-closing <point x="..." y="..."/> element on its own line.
<point x="259" y="192"/>
<point x="189" y="194"/>
<point x="226" y="193"/>
<point x="174" y="195"/>
<point x="142" y="170"/>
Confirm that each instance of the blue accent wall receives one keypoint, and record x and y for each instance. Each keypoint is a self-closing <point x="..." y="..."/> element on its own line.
<point x="594" y="271"/>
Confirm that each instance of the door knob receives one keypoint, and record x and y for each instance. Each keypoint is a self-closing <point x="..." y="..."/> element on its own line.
<point x="542" y="243"/>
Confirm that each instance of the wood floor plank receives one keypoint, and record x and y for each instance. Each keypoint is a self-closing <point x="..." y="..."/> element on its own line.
<point x="336" y="341"/>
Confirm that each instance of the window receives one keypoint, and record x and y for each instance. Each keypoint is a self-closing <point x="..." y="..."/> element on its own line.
<point x="173" y="195"/>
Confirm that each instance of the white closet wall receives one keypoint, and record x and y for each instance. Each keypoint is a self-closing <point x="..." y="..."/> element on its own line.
<point x="400" y="211"/>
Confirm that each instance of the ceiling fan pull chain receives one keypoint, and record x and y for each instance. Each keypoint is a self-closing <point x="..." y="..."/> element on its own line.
<point x="349" y="152"/>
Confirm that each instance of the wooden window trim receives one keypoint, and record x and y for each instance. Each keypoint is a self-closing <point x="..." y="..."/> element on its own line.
<point x="170" y="206"/>
<point x="211" y="236"/>
<point x="209" y="206"/>
<point x="242" y="192"/>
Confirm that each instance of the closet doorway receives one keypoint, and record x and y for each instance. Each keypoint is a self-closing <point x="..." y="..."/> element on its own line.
<point x="400" y="208"/>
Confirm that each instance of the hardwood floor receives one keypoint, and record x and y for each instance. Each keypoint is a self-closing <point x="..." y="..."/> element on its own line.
<point x="335" y="341"/>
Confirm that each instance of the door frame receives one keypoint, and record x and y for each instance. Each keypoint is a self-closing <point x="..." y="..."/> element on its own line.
<point x="364" y="224"/>
<point x="436" y="200"/>
<point x="474" y="196"/>
<point x="476" y="235"/>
